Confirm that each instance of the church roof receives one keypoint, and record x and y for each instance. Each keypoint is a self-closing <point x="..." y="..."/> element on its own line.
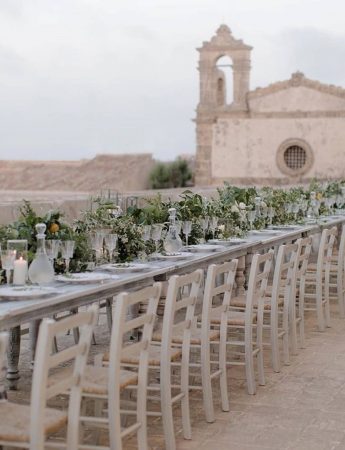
<point x="298" y="79"/>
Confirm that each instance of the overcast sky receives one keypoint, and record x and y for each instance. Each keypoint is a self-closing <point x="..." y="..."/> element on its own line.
<point x="81" y="77"/>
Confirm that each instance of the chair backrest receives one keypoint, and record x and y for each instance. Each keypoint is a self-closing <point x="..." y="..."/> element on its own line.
<point x="3" y="347"/>
<point x="179" y="315"/>
<point x="285" y="272"/>
<point x="122" y="347"/>
<point x="44" y="388"/>
<point x="257" y="285"/>
<point x="324" y="257"/>
<point x="217" y="295"/>
<point x="303" y="255"/>
<point x="341" y="253"/>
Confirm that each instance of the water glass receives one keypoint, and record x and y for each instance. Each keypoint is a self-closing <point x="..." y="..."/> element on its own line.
<point x="96" y="243"/>
<point x="52" y="249"/>
<point x="203" y="222"/>
<point x="7" y="261"/>
<point x="156" y="234"/>
<point x="110" y="241"/>
<point x="213" y="225"/>
<point x="187" y="229"/>
<point x="67" y="251"/>
<point x="251" y="218"/>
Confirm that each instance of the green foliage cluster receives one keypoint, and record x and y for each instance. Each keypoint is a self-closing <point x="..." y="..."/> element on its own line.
<point x="170" y="175"/>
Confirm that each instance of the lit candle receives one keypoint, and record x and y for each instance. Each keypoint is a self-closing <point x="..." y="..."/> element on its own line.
<point x="20" y="271"/>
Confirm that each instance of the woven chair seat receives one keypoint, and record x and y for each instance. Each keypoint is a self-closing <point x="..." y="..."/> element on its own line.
<point x="95" y="379"/>
<point x="236" y="318"/>
<point x="15" y="421"/>
<point x="154" y="356"/>
<point x="313" y="267"/>
<point x="177" y="337"/>
<point x="240" y="302"/>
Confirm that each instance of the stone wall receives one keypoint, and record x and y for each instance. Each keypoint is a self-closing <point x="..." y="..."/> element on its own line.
<point x="116" y="172"/>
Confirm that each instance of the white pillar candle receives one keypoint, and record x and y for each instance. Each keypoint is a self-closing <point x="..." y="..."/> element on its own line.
<point x="20" y="271"/>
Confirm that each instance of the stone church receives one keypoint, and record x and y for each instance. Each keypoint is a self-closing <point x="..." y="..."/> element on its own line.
<point x="290" y="131"/>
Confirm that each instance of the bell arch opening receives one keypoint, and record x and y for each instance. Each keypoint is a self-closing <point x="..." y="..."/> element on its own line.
<point x="225" y="83"/>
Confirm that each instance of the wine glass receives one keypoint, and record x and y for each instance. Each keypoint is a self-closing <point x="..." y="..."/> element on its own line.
<point x="156" y="234"/>
<point x="270" y="213"/>
<point x="295" y="210"/>
<point x="96" y="243"/>
<point x="146" y="236"/>
<point x="52" y="249"/>
<point x="203" y="222"/>
<point x="7" y="261"/>
<point x="187" y="229"/>
<point x="251" y="215"/>
<point x="213" y="225"/>
<point x="110" y="241"/>
<point x="67" y="251"/>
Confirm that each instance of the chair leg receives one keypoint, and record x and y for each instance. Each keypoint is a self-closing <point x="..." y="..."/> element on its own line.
<point x="340" y="290"/>
<point x="301" y="316"/>
<point x="185" y="409"/>
<point x="319" y="309"/>
<point x="275" y="342"/>
<point x="249" y="365"/>
<point x="327" y="306"/>
<point x="206" y="383"/>
<point x="223" y="380"/>
<point x="166" y="407"/>
<point x="286" y="340"/>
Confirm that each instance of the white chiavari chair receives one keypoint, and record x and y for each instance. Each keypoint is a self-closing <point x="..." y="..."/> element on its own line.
<point x="243" y="319"/>
<point x="29" y="426"/>
<point x="296" y="315"/>
<point x="317" y="292"/>
<point x="107" y="379"/>
<point x="179" y="318"/>
<point x="337" y="284"/>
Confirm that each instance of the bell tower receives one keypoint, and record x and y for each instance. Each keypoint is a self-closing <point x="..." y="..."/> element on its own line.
<point x="212" y="102"/>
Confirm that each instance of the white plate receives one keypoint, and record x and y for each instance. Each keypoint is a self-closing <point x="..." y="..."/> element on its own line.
<point x="283" y="227"/>
<point x="271" y="232"/>
<point x="22" y="292"/>
<point x="126" y="267"/>
<point x="173" y="257"/>
<point x="84" y="278"/>
<point x="230" y="241"/>
<point x="204" y="248"/>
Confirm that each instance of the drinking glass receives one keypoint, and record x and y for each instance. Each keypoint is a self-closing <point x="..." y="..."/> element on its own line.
<point x="96" y="243"/>
<point x="251" y="218"/>
<point x="7" y="261"/>
<point x="270" y="213"/>
<point x="295" y="210"/>
<point x="213" y="225"/>
<point x="110" y="241"/>
<point x="67" y="251"/>
<point x="203" y="222"/>
<point x="187" y="229"/>
<point x="156" y="234"/>
<point x="178" y="226"/>
<point x="52" y="249"/>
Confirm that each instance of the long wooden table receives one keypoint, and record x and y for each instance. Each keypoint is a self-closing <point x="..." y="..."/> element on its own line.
<point x="13" y="314"/>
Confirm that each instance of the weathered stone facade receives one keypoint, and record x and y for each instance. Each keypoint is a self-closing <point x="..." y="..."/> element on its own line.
<point x="288" y="132"/>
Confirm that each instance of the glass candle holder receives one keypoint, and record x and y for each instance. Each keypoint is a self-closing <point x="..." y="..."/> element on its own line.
<point x="19" y="247"/>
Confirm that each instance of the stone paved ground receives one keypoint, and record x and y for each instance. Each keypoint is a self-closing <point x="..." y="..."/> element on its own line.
<point x="301" y="408"/>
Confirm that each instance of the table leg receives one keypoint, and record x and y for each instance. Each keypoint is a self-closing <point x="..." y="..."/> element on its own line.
<point x="13" y="352"/>
<point x="33" y="335"/>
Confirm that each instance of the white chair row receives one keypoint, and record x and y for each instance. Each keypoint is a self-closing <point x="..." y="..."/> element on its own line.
<point x="168" y="362"/>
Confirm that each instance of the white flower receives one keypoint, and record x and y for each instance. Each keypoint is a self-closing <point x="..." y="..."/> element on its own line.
<point x="242" y="205"/>
<point x="263" y="205"/>
<point x="221" y="228"/>
<point x="235" y="209"/>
